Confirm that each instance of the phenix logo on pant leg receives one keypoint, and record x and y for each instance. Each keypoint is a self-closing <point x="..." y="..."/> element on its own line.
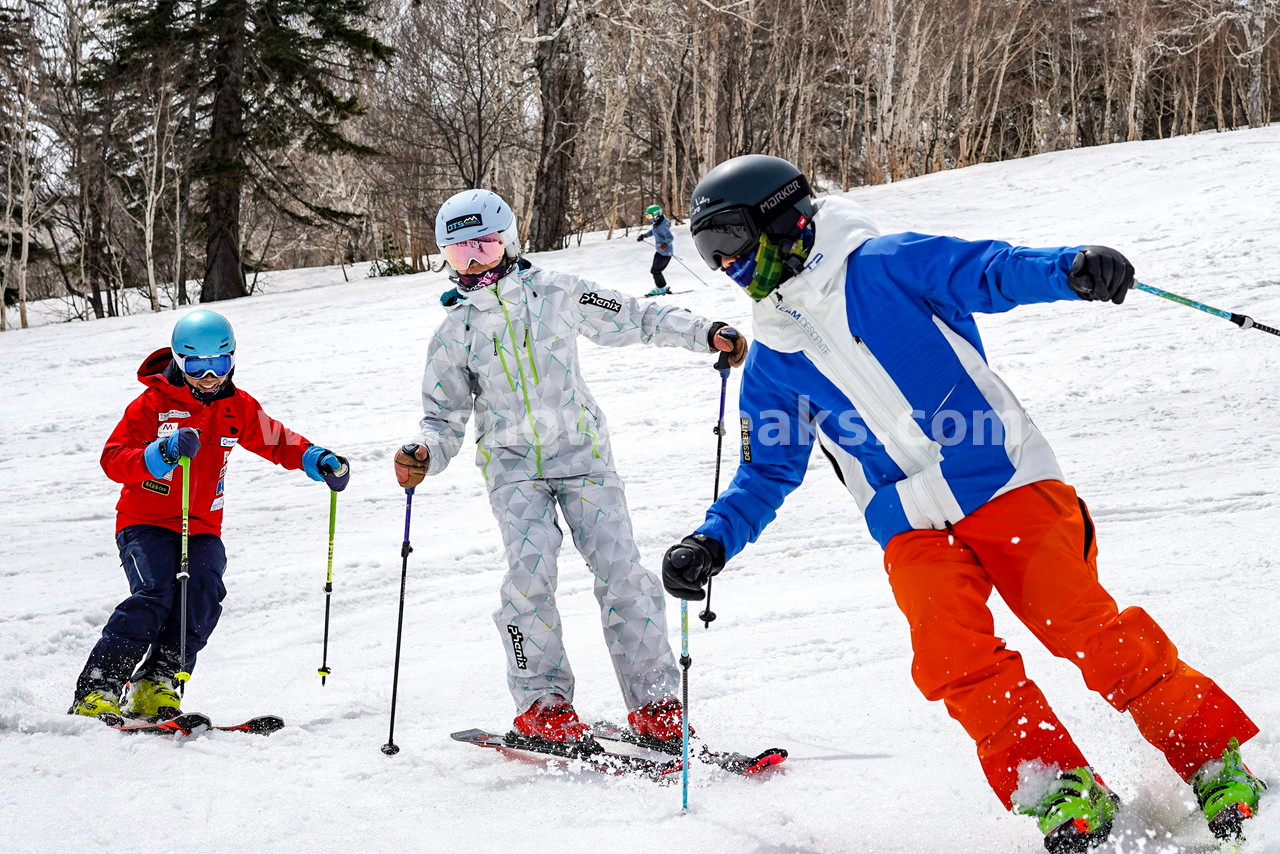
<point x="517" y="646"/>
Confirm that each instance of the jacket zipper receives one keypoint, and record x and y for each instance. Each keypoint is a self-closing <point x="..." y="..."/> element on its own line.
<point x="874" y="379"/>
<point x="524" y="384"/>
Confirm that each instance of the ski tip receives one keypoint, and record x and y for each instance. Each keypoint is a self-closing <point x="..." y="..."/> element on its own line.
<point x="765" y="761"/>
<point x="261" y="725"/>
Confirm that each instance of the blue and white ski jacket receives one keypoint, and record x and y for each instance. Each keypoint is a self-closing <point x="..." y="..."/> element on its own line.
<point x="873" y="353"/>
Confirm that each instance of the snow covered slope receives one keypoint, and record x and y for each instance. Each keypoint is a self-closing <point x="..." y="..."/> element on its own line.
<point x="1166" y="419"/>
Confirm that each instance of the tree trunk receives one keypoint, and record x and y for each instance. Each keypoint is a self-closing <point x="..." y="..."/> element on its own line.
<point x="225" y="168"/>
<point x="558" y="61"/>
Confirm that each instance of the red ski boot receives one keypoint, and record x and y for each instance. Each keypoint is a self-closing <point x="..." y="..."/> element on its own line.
<point x="661" y="720"/>
<point x="552" y="718"/>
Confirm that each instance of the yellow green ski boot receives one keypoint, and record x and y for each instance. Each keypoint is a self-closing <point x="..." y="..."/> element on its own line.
<point x="1075" y="812"/>
<point x="154" y="699"/>
<point x="98" y="704"/>
<point x="1227" y="792"/>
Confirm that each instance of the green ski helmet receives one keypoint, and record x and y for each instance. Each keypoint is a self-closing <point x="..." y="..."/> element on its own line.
<point x="653" y="211"/>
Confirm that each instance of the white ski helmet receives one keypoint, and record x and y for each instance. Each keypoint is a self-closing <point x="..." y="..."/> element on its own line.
<point x="475" y="213"/>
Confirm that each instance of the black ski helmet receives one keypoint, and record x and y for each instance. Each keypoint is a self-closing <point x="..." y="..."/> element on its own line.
<point x="743" y="197"/>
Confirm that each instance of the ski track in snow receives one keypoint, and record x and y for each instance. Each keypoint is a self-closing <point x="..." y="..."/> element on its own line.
<point x="1164" y="418"/>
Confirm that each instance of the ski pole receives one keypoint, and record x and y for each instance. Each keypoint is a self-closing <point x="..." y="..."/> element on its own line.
<point x="687" y="267"/>
<point x="1244" y="321"/>
<point x="722" y="367"/>
<point x="685" y="661"/>
<point x="328" y="588"/>
<point x="391" y="748"/>
<point x="184" y="572"/>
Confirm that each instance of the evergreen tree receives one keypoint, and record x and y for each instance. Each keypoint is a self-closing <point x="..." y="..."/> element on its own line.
<point x="262" y="76"/>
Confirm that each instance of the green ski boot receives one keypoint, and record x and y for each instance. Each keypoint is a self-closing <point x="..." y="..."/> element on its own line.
<point x="96" y="704"/>
<point x="1075" y="812"/>
<point x="154" y="699"/>
<point x="1227" y="792"/>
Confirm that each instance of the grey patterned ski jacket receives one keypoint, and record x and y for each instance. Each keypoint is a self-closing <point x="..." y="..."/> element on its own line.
<point x="510" y="351"/>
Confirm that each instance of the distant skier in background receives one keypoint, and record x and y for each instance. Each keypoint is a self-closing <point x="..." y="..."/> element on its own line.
<point x="664" y="246"/>
<point x="191" y="408"/>
<point x="866" y="344"/>
<point x="508" y="349"/>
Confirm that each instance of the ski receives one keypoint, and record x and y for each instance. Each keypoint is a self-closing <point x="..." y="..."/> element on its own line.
<point x="736" y="763"/>
<point x="591" y="753"/>
<point x="184" y="724"/>
<point x="191" y="723"/>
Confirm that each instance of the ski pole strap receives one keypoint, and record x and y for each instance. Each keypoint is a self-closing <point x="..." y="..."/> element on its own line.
<point x="1244" y="321"/>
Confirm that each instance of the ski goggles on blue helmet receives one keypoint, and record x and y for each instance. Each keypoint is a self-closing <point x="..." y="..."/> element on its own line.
<point x="199" y="367"/>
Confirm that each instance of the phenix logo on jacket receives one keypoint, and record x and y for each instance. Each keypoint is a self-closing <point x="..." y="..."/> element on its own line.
<point x="872" y="352"/>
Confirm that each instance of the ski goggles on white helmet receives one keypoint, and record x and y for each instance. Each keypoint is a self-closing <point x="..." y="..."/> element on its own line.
<point x="199" y="367"/>
<point x="485" y="250"/>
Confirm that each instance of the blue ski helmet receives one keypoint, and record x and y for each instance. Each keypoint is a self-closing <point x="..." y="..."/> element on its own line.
<point x="475" y="213"/>
<point x="202" y="333"/>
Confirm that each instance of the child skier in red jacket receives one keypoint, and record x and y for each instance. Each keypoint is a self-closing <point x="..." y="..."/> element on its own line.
<point x="191" y="408"/>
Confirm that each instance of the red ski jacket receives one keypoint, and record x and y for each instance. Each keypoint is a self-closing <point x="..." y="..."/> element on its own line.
<point x="232" y="418"/>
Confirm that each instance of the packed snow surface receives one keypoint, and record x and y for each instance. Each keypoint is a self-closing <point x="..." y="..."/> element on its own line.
<point x="1166" y="419"/>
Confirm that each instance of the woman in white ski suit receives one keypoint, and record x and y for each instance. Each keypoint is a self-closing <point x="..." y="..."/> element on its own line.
<point x="509" y="351"/>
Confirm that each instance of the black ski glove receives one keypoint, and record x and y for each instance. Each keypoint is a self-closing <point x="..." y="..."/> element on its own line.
<point x="1101" y="273"/>
<point x="688" y="565"/>
<point x="639" y="238"/>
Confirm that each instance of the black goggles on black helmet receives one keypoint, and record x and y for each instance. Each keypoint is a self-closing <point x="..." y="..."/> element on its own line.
<point x="734" y="231"/>
<point x="725" y="234"/>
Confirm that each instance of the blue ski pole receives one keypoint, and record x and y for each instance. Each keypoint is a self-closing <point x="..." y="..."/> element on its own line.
<point x="722" y="367"/>
<point x="1244" y="321"/>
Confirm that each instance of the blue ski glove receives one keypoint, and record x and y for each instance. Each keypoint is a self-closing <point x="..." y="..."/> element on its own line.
<point x="323" y="464"/>
<point x="690" y="564"/>
<point x="163" y="454"/>
<point x="1100" y="273"/>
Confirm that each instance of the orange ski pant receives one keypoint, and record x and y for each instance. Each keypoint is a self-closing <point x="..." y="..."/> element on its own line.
<point x="1035" y="546"/>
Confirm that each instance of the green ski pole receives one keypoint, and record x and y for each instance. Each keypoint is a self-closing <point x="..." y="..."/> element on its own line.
<point x="328" y="587"/>
<point x="183" y="574"/>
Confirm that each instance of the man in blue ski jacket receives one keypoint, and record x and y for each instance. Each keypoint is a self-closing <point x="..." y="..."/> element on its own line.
<point x="866" y="345"/>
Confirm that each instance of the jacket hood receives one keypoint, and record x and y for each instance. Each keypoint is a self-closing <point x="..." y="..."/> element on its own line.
<point x="839" y="227"/>
<point x="159" y="372"/>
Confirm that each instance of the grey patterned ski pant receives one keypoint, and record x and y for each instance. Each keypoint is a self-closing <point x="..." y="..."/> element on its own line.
<point x="632" y="609"/>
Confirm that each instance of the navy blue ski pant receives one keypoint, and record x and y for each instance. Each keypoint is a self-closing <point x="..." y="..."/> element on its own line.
<point x="660" y="263"/>
<point x="144" y="632"/>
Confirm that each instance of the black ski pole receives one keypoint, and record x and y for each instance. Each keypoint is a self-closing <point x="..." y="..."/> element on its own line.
<point x="390" y="748"/>
<point x="722" y="367"/>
